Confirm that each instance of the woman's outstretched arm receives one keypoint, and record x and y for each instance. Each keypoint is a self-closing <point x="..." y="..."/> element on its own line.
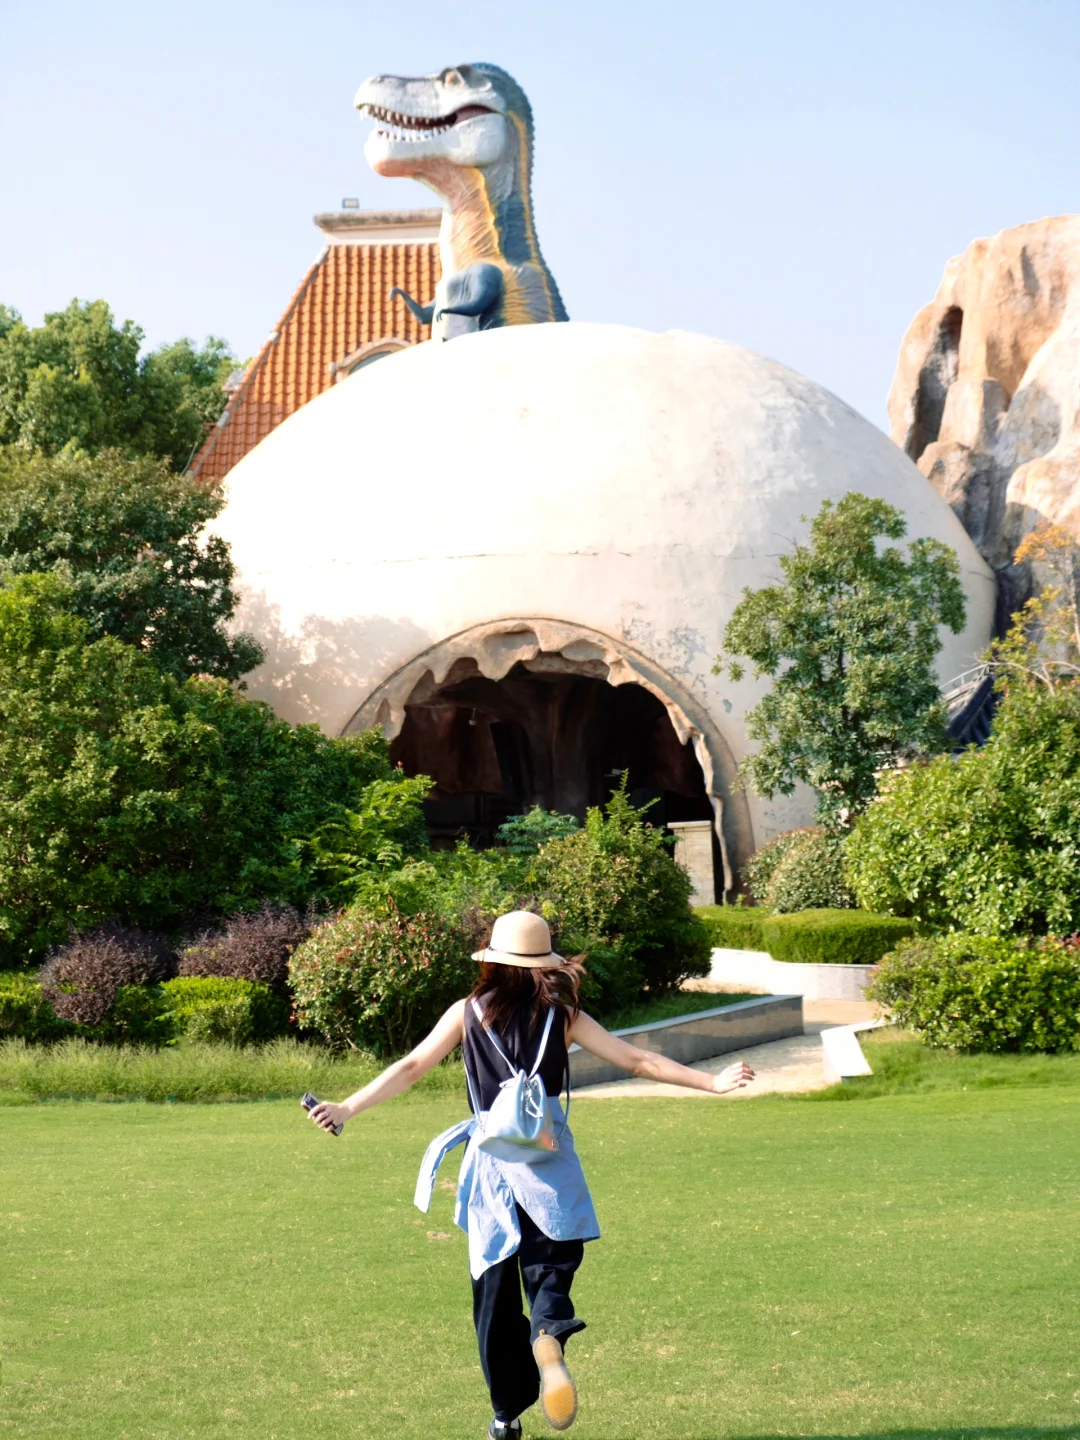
<point x="400" y="1076"/>
<point x="593" y="1037"/>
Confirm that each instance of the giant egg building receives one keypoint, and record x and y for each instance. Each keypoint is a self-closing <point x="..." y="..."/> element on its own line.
<point x="517" y="554"/>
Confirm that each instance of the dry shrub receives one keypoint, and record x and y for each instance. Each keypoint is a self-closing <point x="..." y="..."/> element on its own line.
<point x="82" y="978"/>
<point x="255" y="946"/>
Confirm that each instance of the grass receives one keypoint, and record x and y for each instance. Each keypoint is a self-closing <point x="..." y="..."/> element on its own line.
<point x="907" y="1267"/>
<point x="903" y="1065"/>
<point x="77" y="1070"/>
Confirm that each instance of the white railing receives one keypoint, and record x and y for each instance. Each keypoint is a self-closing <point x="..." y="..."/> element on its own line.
<point x="967" y="681"/>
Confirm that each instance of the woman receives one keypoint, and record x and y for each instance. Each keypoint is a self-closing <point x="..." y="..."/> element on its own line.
<point x="531" y="1214"/>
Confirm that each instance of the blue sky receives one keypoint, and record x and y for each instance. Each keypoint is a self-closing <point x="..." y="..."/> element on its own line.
<point x="790" y="176"/>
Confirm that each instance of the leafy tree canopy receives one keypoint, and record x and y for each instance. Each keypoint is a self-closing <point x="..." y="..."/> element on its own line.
<point x="126" y="794"/>
<point x="849" y="639"/>
<point x="78" y="379"/>
<point x="125" y="537"/>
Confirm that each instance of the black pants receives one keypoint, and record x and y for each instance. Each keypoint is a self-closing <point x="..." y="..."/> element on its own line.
<point x="504" y="1335"/>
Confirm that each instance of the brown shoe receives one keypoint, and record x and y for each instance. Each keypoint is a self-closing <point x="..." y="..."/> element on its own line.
<point x="558" y="1395"/>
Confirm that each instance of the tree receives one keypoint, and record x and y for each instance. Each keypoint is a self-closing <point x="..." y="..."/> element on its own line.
<point x="849" y="640"/>
<point x="127" y="795"/>
<point x="78" y="380"/>
<point x="1042" y="646"/>
<point x="183" y="394"/>
<point x="126" y="537"/>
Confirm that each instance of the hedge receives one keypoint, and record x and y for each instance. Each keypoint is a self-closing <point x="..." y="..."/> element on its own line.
<point x="25" y="1014"/>
<point x="833" y="937"/>
<point x="237" y="1012"/>
<point x="212" y="1008"/>
<point x="980" y="993"/>
<point x="733" y="927"/>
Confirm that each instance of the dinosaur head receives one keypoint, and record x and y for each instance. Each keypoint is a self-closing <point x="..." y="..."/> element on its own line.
<point x="473" y="116"/>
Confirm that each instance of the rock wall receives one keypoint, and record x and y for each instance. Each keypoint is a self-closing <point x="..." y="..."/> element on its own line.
<point x="986" y="397"/>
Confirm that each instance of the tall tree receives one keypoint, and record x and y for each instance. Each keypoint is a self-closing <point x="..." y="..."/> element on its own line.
<point x="125" y="537"/>
<point x="78" y="380"/>
<point x="849" y="640"/>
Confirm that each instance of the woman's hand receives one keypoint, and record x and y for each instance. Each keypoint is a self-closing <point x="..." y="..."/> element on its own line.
<point x="733" y="1078"/>
<point x="327" y="1114"/>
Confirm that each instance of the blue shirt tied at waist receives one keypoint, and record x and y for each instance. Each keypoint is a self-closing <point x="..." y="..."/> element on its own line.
<point x="554" y="1193"/>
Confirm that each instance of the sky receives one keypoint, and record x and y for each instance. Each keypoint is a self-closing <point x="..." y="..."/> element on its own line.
<point x="791" y="175"/>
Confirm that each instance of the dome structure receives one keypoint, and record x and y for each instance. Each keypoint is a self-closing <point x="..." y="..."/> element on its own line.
<point x="518" y="553"/>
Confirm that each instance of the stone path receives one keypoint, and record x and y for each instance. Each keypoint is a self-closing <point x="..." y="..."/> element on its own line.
<point x="782" y="1066"/>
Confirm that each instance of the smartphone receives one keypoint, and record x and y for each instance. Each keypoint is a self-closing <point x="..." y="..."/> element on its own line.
<point x="309" y="1102"/>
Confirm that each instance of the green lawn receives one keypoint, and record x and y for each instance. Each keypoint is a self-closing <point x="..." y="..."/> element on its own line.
<point x="79" y="1070"/>
<point x="902" y="1064"/>
<point x="907" y="1265"/>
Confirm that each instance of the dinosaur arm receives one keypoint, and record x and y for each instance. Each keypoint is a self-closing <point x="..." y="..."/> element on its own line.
<point x="473" y="291"/>
<point x="424" y="313"/>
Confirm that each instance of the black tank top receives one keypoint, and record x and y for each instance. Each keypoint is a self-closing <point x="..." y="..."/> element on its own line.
<point x="485" y="1066"/>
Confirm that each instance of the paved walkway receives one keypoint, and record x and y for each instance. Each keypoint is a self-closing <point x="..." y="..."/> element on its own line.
<point x="782" y="1066"/>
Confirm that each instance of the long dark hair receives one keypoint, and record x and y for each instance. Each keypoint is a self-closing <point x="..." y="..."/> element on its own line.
<point x="508" y="989"/>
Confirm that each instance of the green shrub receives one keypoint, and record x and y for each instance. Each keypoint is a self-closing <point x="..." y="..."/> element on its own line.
<point x="976" y="992"/>
<point x="620" y="895"/>
<point x="25" y="1014"/>
<point x="449" y="882"/>
<point x="810" y="876"/>
<point x="758" y="870"/>
<point x="139" y="1016"/>
<point x="733" y="927"/>
<point x="833" y="937"/>
<point x="379" y="982"/>
<point x="208" y="1009"/>
<point x="989" y="842"/>
<point x="612" y="975"/>
<point x="127" y="794"/>
<point x="378" y="834"/>
<point x="528" y="833"/>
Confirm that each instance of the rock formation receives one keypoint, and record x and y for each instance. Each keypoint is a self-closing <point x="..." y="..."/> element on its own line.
<point x="986" y="397"/>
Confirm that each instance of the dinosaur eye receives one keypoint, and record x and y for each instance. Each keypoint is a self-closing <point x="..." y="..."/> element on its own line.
<point x="452" y="77"/>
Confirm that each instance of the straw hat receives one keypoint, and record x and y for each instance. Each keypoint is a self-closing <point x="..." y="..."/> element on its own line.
<point x="521" y="938"/>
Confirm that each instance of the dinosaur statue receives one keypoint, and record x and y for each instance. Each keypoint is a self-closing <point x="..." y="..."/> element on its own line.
<point x="467" y="134"/>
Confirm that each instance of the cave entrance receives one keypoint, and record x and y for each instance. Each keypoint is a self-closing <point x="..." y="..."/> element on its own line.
<point x="546" y="733"/>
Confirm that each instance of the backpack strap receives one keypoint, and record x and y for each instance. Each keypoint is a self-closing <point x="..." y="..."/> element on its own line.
<point x="494" y="1040"/>
<point x="543" y="1041"/>
<point x="505" y="1058"/>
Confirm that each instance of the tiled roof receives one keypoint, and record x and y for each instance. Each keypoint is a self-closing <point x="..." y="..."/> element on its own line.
<point x="341" y="306"/>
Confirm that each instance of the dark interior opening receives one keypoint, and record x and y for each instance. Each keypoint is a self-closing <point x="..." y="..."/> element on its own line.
<point x="936" y="376"/>
<point x="542" y="736"/>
